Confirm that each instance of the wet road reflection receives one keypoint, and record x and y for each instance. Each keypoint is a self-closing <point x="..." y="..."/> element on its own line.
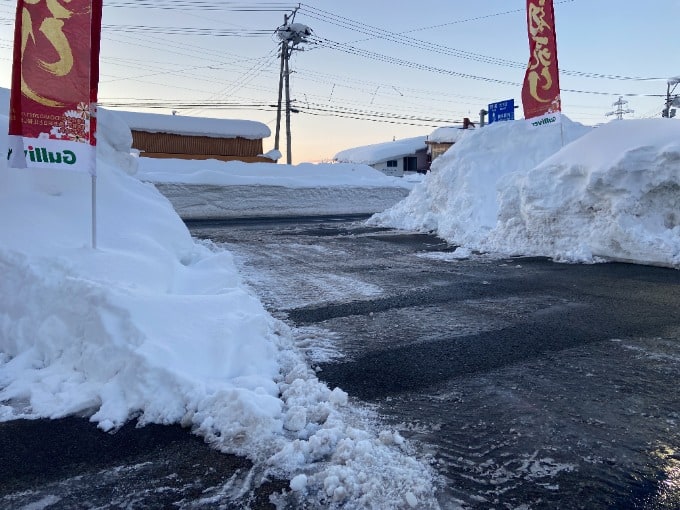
<point x="528" y="384"/>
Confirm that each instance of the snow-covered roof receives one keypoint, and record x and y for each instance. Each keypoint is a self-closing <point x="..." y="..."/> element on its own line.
<point x="448" y="134"/>
<point x="379" y="152"/>
<point x="196" y="126"/>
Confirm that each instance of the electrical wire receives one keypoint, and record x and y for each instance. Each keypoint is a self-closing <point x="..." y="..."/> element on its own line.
<point x="202" y="5"/>
<point x="345" y="48"/>
<point x="325" y="16"/>
<point x="184" y="31"/>
<point x="401" y="38"/>
<point x="247" y="77"/>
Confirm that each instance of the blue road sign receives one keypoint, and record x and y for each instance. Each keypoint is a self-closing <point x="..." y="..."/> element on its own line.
<point x="502" y="110"/>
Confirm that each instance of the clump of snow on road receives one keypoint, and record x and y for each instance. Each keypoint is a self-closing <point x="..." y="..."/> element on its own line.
<point x="567" y="191"/>
<point x="155" y="327"/>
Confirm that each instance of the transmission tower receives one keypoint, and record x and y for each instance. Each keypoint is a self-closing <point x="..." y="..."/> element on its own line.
<point x="620" y="110"/>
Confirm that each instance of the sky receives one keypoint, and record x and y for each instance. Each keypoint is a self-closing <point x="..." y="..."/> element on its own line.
<point x="158" y="327"/>
<point x="372" y="73"/>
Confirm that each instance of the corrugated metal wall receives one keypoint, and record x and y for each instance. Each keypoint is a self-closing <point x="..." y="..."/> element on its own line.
<point x="437" y="149"/>
<point x="246" y="159"/>
<point x="199" y="145"/>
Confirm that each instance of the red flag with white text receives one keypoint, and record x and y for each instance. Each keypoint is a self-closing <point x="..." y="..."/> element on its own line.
<point x="55" y="78"/>
<point x="541" y="90"/>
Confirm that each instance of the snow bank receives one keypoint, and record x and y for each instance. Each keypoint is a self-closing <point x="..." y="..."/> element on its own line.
<point x="155" y="327"/>
<point x="237" y="173"/>
<point x="614" y="193"/>
<point x="143" y="326"/>
<point x="115" y="141"/>
<point x="458" y="197"/>
<point x="212" y="189"/>
<point x="513" y="189"/>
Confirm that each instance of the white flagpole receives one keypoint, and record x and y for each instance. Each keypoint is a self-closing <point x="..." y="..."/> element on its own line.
<point x="94" y="211"/>
<point x="93" y="174"/>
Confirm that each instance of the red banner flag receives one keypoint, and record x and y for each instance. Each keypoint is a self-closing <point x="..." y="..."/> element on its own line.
<point x="55" y="78"/>
<point x="541" y="91"/>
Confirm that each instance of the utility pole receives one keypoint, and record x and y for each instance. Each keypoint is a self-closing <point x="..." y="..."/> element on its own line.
<point x="671" y="99"/>
<point x="291" y="34"/>
<point x="289" y="143"/>
<point x="284" y="51"/>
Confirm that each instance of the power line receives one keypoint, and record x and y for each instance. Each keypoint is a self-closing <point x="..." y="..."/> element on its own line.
<point x="309" y="108"/>
<point x="181" y="5"/>
<point x="424" y="67"/>
<point x="345" y="48"/>
<point x="184" y="31"/>
<point x="247" y="77"/>
<point x="476" y="18"/>
<point x="214" y="59"/>
<point x="400" y="38"/>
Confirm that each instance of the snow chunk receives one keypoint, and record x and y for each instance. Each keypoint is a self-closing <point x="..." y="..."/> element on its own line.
<point x="298" y="483"/>
<point x="411" y="500"/>
<point x="338" y="397"/>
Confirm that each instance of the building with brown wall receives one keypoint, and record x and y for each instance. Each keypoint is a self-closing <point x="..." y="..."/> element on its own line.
<point x="183" y="137"/>
<point x="441" y="139"/>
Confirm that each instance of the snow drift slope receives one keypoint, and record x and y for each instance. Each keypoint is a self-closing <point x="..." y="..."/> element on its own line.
<point x="510" y="188"/>
<point x="614" y="193"/>
<point x="155" y="327"/>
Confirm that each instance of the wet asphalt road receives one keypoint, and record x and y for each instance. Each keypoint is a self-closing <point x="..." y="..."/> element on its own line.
<point x="70" y="464"/>
<point x="526" y="384"/>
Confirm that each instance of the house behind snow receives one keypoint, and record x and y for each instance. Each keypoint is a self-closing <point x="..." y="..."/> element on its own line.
<point x="392" y="158"/>
<point x="441" y="139"/>
<point x="178" y="136"/>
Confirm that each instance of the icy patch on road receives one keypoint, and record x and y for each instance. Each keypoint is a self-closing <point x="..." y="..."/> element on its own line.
<point x="274" y="272"/>
<point x="42" y="503"/>
<point x="318" y="344"/>
<point x="460" y="253"/>
<point x="527" y="467"/>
